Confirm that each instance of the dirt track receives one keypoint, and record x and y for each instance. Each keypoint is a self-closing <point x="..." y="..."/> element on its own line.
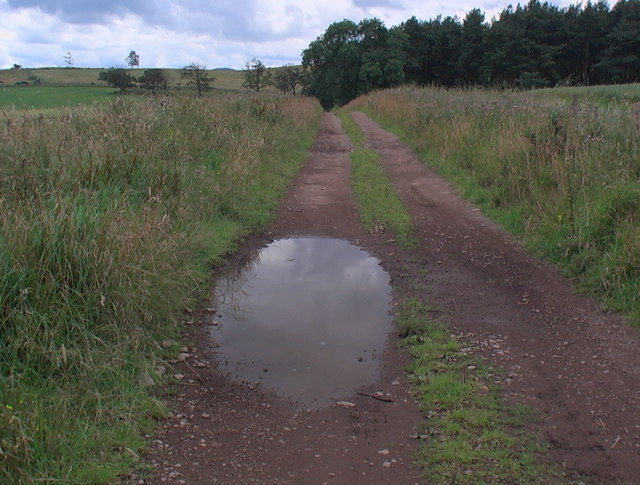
<point x="578" y="367"/>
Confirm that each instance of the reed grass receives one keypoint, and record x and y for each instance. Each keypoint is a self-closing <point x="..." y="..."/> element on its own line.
<point x="110" y="219"/>
<point x="563" y="174"/>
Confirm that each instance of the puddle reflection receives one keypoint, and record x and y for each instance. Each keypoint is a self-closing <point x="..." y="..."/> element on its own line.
<point x="308" y="319"/>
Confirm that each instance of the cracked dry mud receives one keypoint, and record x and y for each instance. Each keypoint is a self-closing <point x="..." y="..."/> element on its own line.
<point x="578" y="367"/>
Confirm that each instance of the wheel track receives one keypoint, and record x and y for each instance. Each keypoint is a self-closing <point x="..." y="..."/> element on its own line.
<point x="578" y="367"/>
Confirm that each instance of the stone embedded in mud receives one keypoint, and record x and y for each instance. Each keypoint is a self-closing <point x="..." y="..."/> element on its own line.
<point x="345" y="404"/>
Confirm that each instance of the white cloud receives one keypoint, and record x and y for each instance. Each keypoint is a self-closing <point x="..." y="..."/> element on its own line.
<point x="173" y="33"/>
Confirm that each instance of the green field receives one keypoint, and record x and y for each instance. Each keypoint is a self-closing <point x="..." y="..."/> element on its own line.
<point x="621" y="93"/>
<point x="58" y="76"/>
<point x="32" y="97"/>
<point x="55" y="87"/>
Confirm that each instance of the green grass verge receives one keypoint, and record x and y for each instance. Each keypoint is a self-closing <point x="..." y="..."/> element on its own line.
<point x="111" y="217"/>
<point x="352" y="129"/>
<point x="380" y="206"/>
<point x="471" y="436"/>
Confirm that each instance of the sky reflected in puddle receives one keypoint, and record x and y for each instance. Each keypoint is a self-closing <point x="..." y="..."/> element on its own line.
<point x="309" y="319"/>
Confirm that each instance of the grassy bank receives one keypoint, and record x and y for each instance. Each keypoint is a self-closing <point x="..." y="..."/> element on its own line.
<point x="110" y="218"/>
<point x="564" y="175"/>
<point x="470" y="435"/>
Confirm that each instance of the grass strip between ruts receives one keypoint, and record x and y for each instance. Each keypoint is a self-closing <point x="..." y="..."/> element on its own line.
<point x="471" y="436"/>
<point x="380" y="206"/>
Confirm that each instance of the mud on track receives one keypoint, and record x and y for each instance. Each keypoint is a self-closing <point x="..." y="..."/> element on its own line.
<point x="229" y="433"/>
<point x="575" y="365"/>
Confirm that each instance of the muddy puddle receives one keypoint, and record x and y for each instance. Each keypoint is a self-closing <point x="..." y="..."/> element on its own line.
<point x="309" y="319"/>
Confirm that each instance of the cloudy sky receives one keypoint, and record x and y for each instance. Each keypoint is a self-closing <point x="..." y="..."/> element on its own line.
<point x="173" y="33"/>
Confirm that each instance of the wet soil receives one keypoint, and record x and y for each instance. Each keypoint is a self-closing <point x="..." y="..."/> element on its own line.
<point x="577" y="366"/>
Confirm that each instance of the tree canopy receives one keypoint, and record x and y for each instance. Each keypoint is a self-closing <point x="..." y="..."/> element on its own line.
<point x="133" y="59"/>
<point x="155" y="80"/>
<point x="532" y="45"/>
<point x="117" y="77"/>
<point x="256" y="75"/>
<point x="288" y="78"/>
<point x="351" y="59"/>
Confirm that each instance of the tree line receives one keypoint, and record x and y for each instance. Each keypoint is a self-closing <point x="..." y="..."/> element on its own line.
<point x="257" y="76"/>
<point x="529" y="46"/>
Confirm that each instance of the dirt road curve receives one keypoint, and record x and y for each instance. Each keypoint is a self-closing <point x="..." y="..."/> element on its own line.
<point x="578" y="367"/>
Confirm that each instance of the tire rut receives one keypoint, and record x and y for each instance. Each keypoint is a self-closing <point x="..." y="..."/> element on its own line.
<point x="577" y="366"/>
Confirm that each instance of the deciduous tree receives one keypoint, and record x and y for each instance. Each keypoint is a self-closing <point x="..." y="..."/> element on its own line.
<point x="333" y="64"/>
<point x="133" y="59"/>
<point x="256" y="75"/>
<point x="117" y="77"/>
<point x="288" y="78"/>
<point x="197" y="77"/>
<point x="68" y="59"/>
<point x="351" y="59"/>
<point x="154" y="79"/>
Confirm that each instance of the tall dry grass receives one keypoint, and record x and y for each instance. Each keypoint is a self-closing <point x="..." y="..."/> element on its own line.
<point x="564" y="174"/>
<point x="109" y="217"/>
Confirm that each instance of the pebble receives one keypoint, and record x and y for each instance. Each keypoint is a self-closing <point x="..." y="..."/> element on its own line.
<point x="345" y="404"/>
<point x="145" y="379"/>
